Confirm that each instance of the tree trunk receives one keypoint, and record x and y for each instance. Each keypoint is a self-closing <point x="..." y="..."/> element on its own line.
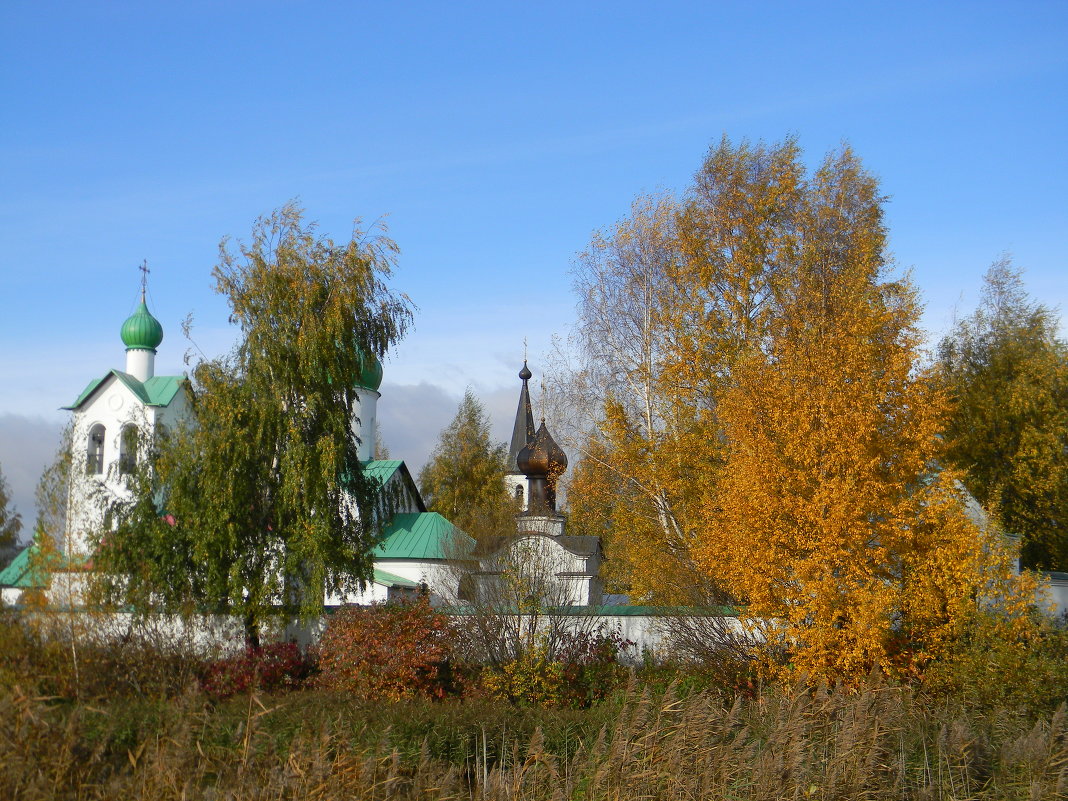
<point x="252" y="632"/>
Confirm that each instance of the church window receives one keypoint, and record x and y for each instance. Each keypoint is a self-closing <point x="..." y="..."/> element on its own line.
<point x="128" y="450"/>
<point x="519" y="492"/>
<point x="467" y="590"/>
<point x="95" y="451"/>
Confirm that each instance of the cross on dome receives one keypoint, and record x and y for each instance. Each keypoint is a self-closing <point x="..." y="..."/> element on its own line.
<point x="144" y="278"/>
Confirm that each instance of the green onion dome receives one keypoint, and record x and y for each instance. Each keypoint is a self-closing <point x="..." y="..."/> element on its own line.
<point x="370" y="376"/>
<point x="141" y="330"/>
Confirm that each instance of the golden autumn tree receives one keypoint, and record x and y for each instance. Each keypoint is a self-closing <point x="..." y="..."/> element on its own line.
<point x="668" y="298"/>
<point x="830" y="520"/>
<point x="642" y="557"/>
<point x="634" y="483"/>
<point x="754" y="423"/>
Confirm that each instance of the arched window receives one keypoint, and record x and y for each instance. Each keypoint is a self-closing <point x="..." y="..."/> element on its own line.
<point x="519" y="492"/>
<point x="95" y="452"/>
<point x="128" y="450"/>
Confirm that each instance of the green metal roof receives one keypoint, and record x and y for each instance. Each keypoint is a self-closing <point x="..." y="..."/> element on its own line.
<point x="421" y="535"/>
<point x="17" y="574"/>
<point x="24" y="574"/>
<point x="381" y="469"/>
<point x="385" y="470"/>
<point x="370" y="376"/>
<point x="89" y="389"/>
<point x="141" y="330"/>
<point x="156" y="391"/>
<point x="161" y="389"/>
<point x="390" y="580"/>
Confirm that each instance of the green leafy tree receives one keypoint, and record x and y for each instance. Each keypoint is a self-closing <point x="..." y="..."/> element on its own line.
<point x="52" y="497"/>
<point x="1007" y="372"/>
<point x="10" y="523"/>
<point x="263" y="500"/>
<point x="464" y="479"/>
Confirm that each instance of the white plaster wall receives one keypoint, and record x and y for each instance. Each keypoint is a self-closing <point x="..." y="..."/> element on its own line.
<point x="545" y="554"/>
<point x="365" y="421"/>
<point x="173" y="415"/>
<point x="214" y="634"/>
<point x="513" y="480"/>
<point x="372" y="593"/>
<point x="1054" y="593"/>
<point x="586" y="590"/>
<point x="10" y="596"/>
<point x="399" y="493"/>
<point x="140" y="363"/>
<point x="440" y="577"/>
<point x="206" y="635"/>
<point x="650" y="634"/>
<point x="543" y="567"/>
<point x="542" y="524"/>
<point x="114" y="406"/>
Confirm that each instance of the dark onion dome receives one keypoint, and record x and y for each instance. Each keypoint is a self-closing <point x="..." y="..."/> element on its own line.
<point x="141" y="331"/>
<point x="370" y="376"/>
<point x="542" y="456"/>
<point x="525" y="373"/>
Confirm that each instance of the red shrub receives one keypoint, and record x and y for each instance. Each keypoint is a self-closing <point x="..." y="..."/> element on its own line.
<point x="387" y="651"/>
<point x="274" y="667"/>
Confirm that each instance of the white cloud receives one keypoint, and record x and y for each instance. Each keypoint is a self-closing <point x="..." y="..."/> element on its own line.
<point x="27" y="445"/>
<point x="411" y="417"/>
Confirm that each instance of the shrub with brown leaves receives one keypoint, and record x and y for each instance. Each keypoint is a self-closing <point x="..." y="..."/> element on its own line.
<point x="387" y="651"/>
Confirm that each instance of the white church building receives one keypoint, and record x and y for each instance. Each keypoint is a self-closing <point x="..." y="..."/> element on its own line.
<point x="420" y="551"/>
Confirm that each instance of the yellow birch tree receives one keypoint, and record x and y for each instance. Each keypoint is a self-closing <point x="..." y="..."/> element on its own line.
<point x="849" y="550"/>
<point x="635" y="482"/>
<point x="668" y="298"/>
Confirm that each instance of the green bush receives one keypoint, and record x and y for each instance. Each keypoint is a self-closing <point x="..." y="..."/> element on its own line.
<point x="584" y="672"/>
<point x="532" y="680"/>
<point x="986" y="668"/>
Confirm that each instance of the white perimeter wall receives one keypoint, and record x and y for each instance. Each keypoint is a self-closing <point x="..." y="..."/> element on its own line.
<point x="1055" y="593"/>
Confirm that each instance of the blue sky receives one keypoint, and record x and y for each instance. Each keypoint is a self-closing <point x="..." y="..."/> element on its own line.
<point x="493" y="139"/>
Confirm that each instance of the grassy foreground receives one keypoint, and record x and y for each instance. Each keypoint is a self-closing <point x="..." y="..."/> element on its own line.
<point x="877" y="742"/>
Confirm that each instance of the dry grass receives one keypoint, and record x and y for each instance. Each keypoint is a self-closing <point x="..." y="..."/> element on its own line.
<point x="876" y="743"/>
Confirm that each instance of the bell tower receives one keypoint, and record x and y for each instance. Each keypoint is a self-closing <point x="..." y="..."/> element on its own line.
<point x="515" y="481"/>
